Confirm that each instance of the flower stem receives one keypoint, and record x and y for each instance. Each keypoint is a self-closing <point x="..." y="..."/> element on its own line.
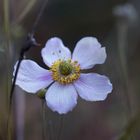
<point x="44" y="129"/>
<point x="7" y="42"/>
<point x="61" y="124"/>
<point x="47" y="123"/>
<point x="26" y="10"/>
<point x="19" y="111"/>
<point x="8" y="63"/>
<point x="122" y="29"/>
<point x="130" y="128"/>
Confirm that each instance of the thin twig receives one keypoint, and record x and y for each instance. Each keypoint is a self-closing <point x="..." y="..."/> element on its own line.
<point x="30" y="42"/>
<point x="38" y="17"/>
<point x="26" y="10"/>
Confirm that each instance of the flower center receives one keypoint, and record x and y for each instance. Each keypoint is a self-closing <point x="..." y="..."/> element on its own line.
<point x="65" y="68"/>
<point x="65" y="72"/>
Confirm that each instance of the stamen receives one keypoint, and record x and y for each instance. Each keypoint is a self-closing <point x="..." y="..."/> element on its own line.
<point x="65" y="72"/>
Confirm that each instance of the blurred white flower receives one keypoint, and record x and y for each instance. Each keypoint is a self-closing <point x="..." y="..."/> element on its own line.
<point x="126" y="11"/>
<point x="64" y="78"/>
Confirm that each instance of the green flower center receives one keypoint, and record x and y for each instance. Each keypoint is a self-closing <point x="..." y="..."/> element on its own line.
<point x="65" y="68"/>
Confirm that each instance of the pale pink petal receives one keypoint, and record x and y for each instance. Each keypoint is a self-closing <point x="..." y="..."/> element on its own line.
<point x="55" y="50"/>
<point x="93" y="87"/>
<point x="31" y="77"/>
<point x="61" y="98"/>
<point x="88" y="52"/>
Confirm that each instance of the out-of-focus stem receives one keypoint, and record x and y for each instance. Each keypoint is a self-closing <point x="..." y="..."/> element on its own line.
<point x="130" y="128"/>
<point x="44" y="121"/>
<point x="126" y="15"/>
<point x="19" y="115"/>
<point x="27" y="9"/>
<point x="7" y="58"/>
<point x="47" y="123"/>
<point x="122" y="28"/>
<point x="60" y="129"/>
<point x="7" y="41"/>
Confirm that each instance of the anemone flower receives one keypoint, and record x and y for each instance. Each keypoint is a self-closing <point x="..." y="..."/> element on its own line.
<point x="65" y="80"/>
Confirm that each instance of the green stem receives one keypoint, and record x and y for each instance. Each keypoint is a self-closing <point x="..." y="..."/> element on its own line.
<point x="7" y="40"/>
<point x="26" y="10"/>
<point x="7" y="57"/>
<point x="130" y="128"/>
<point x="122" y="28"/>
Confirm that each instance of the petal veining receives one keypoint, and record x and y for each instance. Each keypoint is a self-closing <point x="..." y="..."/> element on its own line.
<point x="61" y="98"/>
<point x="93" y="87"/>
<point x="31" y="77"/>
<point x="55" y="50"/>
<point x="88" y="52"/>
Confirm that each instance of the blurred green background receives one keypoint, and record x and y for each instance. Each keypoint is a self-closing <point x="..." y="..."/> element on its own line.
<point x="116" y="25"/>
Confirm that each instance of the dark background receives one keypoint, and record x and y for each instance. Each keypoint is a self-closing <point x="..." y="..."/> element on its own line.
<point x="116" y="118"/>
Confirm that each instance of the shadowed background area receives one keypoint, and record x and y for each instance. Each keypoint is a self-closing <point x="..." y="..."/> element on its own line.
<point x="116" y="25"/>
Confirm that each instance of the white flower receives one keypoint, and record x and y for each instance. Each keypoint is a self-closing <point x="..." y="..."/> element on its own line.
<point x="64" y="77"/>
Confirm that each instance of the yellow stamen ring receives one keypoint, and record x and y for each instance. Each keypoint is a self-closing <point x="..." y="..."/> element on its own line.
<point x="65" y="71"/>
